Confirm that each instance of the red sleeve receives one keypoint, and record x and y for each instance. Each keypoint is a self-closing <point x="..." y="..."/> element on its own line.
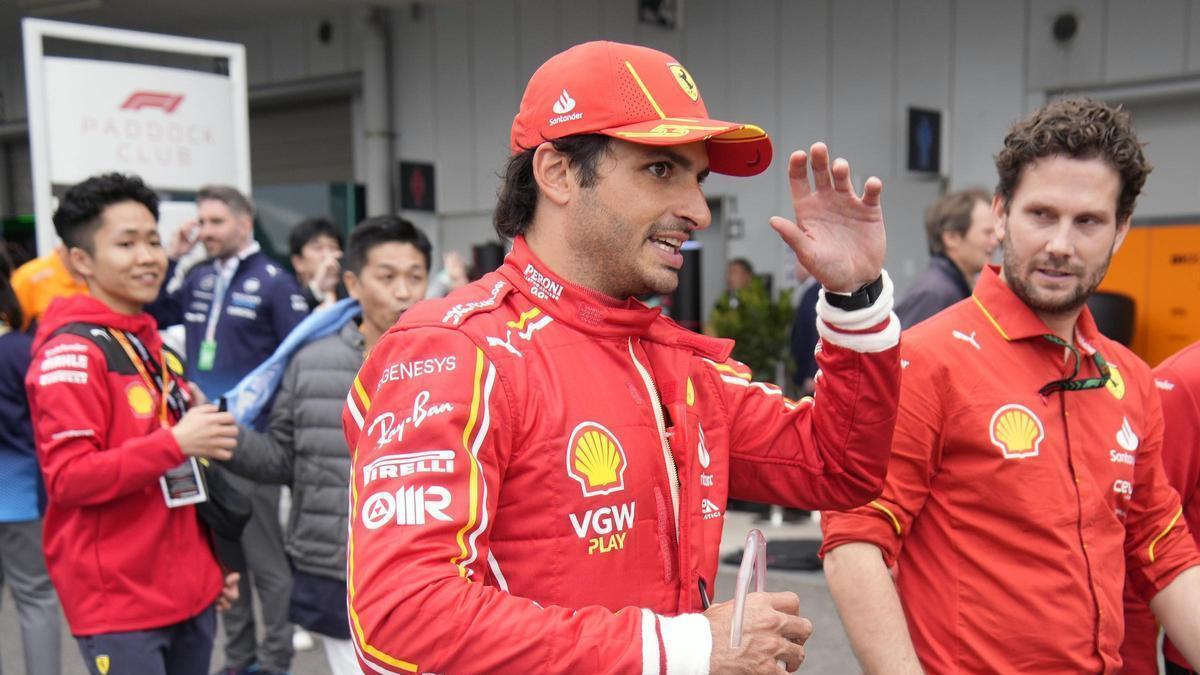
<point x="915" y="455"/>
<point x="72" y="420"/>
<point x="830" y="451"/>
<point x="429" y="425"/>
<point x="1181" y="440"/>
<point x="1158" y="545"/>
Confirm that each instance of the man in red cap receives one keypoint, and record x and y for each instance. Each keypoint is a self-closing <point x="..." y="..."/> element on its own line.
<point x="542" y="463"/>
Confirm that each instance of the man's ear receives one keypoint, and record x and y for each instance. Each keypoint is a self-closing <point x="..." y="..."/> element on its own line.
<point x="81" y="261"/>
<point x="552" y="172"/>
<point x="1122" y="230"/>
<point x="350" y="280"/>
<point x="1000" y="214"/>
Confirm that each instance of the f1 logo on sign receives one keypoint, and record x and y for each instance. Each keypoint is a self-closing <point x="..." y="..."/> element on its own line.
<point x="152" y="99"/>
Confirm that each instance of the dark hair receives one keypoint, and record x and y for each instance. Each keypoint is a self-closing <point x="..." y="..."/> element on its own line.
<point x="78" y="214"/>
<point x="1079" y="128"/>
<point x="311" y="228"/>
<point x="518" y="195"/>
<point x="229" y="196"/>
<point x="10" y="308"/>
<point x="951" y="213"/>
<point x="743" y="263"/>
<point x="383" y="230"/>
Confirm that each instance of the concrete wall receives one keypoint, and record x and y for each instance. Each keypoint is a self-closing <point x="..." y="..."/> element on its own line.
<point x="807" y="70"/>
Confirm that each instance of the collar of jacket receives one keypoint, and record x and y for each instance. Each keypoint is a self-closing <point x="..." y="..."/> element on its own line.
<point x="948" y="269"/>
<point x="1014" y="320"/>
<point x="597" y="314"/>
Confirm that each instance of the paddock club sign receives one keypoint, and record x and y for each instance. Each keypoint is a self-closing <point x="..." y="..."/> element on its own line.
<point x="172" y="127"/>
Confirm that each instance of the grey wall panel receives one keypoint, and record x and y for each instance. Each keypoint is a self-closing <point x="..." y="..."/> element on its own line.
<point x="619" y="22"/>
<point x="706" y="52"/>
<point x="862" y="88"/>
<point x="803" y="76"/>
<point x="537" y="37"/>
<point x="287" y="52"/>
<point x="12" y="88"/>
<point x="1145" y="39"/>
<point x="754" y="35"/>
<point x="579" y="21"/>
<point x="1077" y="62"/>
<point x="327" y="58"/>
<point x="461" y="232"/>
<point x="452" y="101"/>
<point x="1171" y="131"/>
<point x="305" y="143"/>
<point x="1193" y="36"/>
<point x="988" y="90"/>
<point x="495" y="94"/>
<point x="923" y="68"/>
<point x="413" y="73"/>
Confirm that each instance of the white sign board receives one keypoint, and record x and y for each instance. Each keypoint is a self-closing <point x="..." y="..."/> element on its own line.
<point x="172" y="127"/>
<point x="177" y="128"/>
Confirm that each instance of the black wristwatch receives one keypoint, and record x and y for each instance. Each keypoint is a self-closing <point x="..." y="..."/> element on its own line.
<point x="862" y="298"/>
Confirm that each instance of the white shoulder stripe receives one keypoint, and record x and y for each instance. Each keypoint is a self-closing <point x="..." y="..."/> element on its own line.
<point x="353" y="408"/>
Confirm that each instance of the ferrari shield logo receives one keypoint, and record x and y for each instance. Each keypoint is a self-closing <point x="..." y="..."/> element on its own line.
<point x="1116" y="383"/>
<point x="102" y="664"/>
<point x="684" y="78"/>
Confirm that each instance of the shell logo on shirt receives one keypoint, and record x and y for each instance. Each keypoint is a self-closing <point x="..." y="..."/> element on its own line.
<point x="1017" y="431"/>
<point x="1116" y="383"/>
<point x="596" y="460"/>
<point x="140" y="400"/>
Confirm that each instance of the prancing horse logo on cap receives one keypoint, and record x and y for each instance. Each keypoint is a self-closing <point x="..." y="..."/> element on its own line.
<point x="684" y="78"/>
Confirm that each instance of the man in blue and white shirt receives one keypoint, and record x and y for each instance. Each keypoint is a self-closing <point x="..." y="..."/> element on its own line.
<point x="236" y="307"/>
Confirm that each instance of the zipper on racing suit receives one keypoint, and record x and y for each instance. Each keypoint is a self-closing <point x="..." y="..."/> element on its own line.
<point x="668" y="458"/>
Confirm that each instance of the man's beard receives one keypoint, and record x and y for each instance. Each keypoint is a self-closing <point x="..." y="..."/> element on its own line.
<point x="1017" y="273"/>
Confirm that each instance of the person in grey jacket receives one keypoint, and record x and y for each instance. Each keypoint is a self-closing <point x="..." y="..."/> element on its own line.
<point x="387" y="271"/>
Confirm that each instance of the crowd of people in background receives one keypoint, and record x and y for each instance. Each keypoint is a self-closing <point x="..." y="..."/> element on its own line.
<point x="142" y="485"/>
<point x="101" y="360"/>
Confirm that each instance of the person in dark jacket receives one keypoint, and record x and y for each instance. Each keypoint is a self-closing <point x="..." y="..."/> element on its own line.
<point x="387" y="271"/>
<point x="962" y="239"/>
<point x="22" y="495"/>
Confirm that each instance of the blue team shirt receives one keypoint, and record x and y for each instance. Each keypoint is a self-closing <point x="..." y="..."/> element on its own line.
<point x="261" y="305"/>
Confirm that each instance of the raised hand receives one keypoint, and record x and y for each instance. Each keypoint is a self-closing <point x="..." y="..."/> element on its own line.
<point x="184" y="239"/>
<point x="837" y="235"/>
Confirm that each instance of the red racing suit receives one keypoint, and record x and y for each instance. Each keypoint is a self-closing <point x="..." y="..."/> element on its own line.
<point x="119" y="558"/>
<point x="541" y="472"/>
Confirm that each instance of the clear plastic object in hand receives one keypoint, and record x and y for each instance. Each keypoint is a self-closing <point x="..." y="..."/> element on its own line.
<point x="752" y="571"/>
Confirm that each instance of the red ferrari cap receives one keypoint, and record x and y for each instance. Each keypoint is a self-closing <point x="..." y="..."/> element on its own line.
<point x="636" y="94"/>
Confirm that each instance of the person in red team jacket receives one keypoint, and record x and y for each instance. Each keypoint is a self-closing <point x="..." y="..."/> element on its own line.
<point x="1026" y="475"/>
<point x="137" y="579"/>
<point x="1178" y="383"/>
<point x="542" y="463"/>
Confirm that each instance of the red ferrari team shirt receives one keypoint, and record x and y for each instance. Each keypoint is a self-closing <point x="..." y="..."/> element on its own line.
<point x="1012" y="510"/>
<point x="1178" y="383"/>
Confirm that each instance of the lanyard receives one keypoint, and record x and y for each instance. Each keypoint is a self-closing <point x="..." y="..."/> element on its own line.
<point x="1069" y="383"/>
<point x="224" y="281"/>
<point x="139" y="363"/>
